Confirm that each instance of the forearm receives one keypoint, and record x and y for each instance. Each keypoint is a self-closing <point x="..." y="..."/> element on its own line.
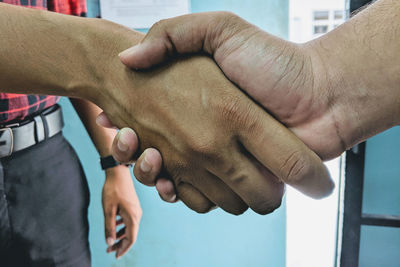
<point x="48" y="53"/>
<point x="362" y="62"/>
<point x="101" y="137"/>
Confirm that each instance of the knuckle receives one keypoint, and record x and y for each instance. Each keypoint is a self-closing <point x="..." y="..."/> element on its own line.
<point x="202" y="146"/>
<point x="158" y="25"/>
<point x="138" y="217"/>
<point x="109" y="213"/>
<point x="135" y="214"/>
<point x="177" y="173"/>
<point x="138" y="214"/>
<point x="203" y="208"/>
<point x="267" y="206"/>
<point x="228" y="25"/>
<point x="198" y="205"/>
<point x="238" y="178"/>
<point x="237" y="113"/>
<point x="265" y="203"/>
<point x="239" y="210"/>
<point x="226" y="15"/>
<point x="296" y="167"/>
<point x="230" y="109"/>
<point x="205" y="147"/>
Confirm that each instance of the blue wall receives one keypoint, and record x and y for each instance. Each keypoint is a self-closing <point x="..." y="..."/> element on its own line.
<point x="380" y="246"/>
<point x="269" y="15"/>
<point x="170" y="234"/>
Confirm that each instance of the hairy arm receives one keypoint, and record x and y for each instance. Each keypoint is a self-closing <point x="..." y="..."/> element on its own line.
<point x="359" y="65"/>
<point x="49" y="53"/>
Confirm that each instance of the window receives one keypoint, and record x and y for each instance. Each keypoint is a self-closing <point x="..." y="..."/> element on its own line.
<point x="338" y="14"/>
<point x="318" y="29"/>
<point x="326" y="20"/>
<point x="321" y="15"/>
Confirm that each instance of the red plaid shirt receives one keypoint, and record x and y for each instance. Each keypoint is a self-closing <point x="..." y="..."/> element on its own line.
<point x="16" y="107"/>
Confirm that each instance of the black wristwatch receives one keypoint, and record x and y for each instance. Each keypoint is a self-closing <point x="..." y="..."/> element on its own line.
<point x="109" y="162"/>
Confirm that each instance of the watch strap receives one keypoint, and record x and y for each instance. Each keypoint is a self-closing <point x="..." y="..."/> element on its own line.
<point x="108" y="162"/>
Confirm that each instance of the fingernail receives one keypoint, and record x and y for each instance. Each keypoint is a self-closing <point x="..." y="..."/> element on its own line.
<point x="130" y="51"/>
<point x="173" y="198"/>
<point x="122" y="146"/>
<point x="145" y="166"/>
<point x="99" y="120"/>
<point x="123" y="140"/>
<point x="168" y="199"/>
<point x="110" y="241"/>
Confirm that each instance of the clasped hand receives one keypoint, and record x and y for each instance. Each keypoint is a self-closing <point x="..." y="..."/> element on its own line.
<point x="218" y="146"/>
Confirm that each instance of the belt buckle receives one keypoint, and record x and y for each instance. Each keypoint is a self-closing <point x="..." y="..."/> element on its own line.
<point x="6" y="142"/>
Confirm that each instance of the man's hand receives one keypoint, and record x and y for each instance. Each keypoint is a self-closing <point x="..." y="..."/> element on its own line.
<point x="277" y="74"/>
<point x="215" y="140"/>
<point x="218" y="147"/>
<point x="333" y="92"/>
<point x="120" y="199"/>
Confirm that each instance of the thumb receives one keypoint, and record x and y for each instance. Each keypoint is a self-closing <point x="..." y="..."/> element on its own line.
<point x="289" y="159"/>
<point x="125" y="145"/>
<point x="201" y="32"/>
<point x="104" y="121"/>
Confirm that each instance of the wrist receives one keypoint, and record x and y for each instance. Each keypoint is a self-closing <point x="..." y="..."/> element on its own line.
<point x="358" y="106"/>
<point x="109" y="163"/>
<point x="361" y="71"/>
<point x="101" y="43"/>
<point x="120" y="172"/>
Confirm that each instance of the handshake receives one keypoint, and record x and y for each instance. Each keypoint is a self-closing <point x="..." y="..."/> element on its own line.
<point x="225" y="114"/>
<point x="216" y="112"/>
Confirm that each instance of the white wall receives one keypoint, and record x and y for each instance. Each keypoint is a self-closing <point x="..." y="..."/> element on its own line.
<point x="311" y="226"/>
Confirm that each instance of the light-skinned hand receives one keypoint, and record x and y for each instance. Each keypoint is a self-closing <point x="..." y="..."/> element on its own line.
<point x="119" y="199"/>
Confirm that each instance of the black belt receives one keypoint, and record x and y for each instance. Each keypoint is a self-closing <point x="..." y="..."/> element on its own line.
<point x="15" y="137"/>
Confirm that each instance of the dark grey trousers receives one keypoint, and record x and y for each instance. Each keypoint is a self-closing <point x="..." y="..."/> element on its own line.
<point x="44" y="199"/>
